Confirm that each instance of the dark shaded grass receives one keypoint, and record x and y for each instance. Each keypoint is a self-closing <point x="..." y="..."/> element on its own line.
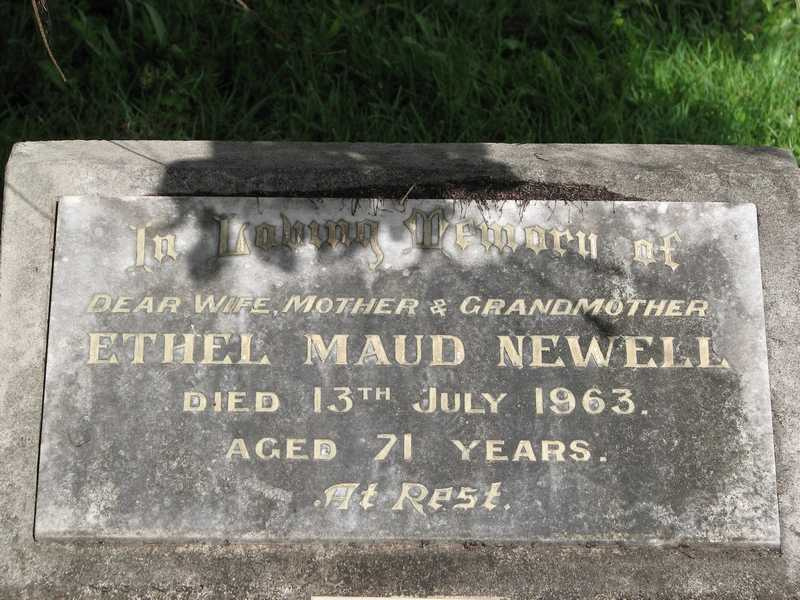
<point x="458" y="71"/>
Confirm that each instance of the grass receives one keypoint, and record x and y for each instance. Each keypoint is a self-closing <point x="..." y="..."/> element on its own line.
<point x="712" y="72"/>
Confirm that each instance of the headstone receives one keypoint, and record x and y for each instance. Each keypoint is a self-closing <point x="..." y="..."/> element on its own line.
<point x="105" y="456"/>
<point x="265" y="369"/>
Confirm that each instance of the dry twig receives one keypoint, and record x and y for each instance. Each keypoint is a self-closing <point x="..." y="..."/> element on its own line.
<point x="39" y="8"/>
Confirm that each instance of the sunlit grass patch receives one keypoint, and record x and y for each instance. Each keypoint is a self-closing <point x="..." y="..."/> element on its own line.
<point x="569" y="71"/>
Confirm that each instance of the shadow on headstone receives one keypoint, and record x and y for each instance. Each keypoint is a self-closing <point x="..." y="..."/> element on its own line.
<point x="366" y="178"/>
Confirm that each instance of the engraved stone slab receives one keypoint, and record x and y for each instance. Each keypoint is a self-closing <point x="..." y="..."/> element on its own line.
<point x="262" y="369"/>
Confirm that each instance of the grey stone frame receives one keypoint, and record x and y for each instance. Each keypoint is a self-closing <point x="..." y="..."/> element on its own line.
<point x="38" y="173"/>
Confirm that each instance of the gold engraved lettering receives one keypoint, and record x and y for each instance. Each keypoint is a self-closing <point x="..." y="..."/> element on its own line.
<point x="186" y="348"/>
<point x="340" y="495"/>
<point x="557" y="236"/>
<point x="704" y="350"/>
<point x="539" y="349"/>
<point x="139" y="340"/>
<point x="141" y="232"/>
<point x="316" y="348"/>
<point x="637" y="352"/>
<point x="666" y="247"/>
<point x="338" y="233"/>
<point x="293" y="234"/>
<point x="465" y="450"/>
<point x="164" y="247"/>
<point x="467" y="494"/>
<point x="370" y="240"/>
<point x="238" y="448"/>
<point x="211" y="343"/>
<point x="99" y="342"/>
<point x="265" y="237"/>
<point x="415" y="494"/>
<point x="463" y="234"/>
<point x="502" y="237"/>
<point x="241" y="248"/>
<point x="593" y="352"/>
<point x="367" y="497"/>
<point x="493" y="493"/>
<point x="439" y="496"/>
<point x="194" y="402"/>
<point x="633" y="349"/>
<point x="427" y="228"/>
<point x="644" y="251"/>
<point x="535" y="239"/>
<point x="267" y="402"/>
<point x="272" y="451"/>
<point x="583" y="252"/>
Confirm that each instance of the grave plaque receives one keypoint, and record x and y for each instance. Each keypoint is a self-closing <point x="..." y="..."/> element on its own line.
<point x="263" y="369"/>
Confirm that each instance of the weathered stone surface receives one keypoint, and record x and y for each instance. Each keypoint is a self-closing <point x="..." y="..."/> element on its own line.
<point x="424" y="370"/>
<point x="40" y="172"/>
